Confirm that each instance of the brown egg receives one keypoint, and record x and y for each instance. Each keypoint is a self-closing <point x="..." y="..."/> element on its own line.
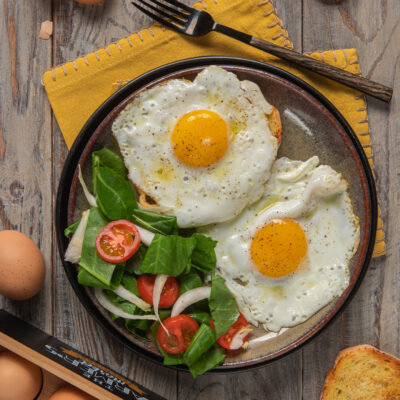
<point x="22" y="267"/>
<point x="89" y="1"/>
<point x="19" y="378"/>
<point x="70" y="393"/>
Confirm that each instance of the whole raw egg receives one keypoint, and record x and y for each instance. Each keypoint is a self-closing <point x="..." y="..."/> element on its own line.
<point x="22" y="267"/>
<point x="70" y="393"/>
<point x="19" y="378"/>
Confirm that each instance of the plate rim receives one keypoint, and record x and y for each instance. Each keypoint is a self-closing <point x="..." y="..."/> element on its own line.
<point x="61" y="209"/>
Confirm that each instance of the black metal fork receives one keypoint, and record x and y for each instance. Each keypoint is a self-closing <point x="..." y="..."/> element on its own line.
<point x="193" y="22"/>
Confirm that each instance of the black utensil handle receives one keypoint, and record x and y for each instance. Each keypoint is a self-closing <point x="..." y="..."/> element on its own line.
<point x="364" y="85"/>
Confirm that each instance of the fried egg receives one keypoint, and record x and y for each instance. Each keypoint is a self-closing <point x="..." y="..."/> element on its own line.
<point x="201" y="150"/>
<point x="287" y="256"/>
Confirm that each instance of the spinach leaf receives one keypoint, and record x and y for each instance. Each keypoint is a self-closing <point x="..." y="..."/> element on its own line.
<point x="189" y="281"/>
<point x="169" y="255"/>
<point x="223" y="307"/>
<point x="200" y="306"/>
<point x="134" y="263"/>
<point x="114" y="194"/>
<point x="72" y="228"/>
<point x="169" y="359"/>
<point x="154" y="222"/>
<point x="123" y="304"/>
<point x="109" y="159"/>
<point x="203" y="339"/>
<point x="90" y="259"/>
<point x="87" y="279"/>
<point x="138" y="328"/>
<point x="208" y="360"/>
<point x="201" y="317"/>
<point x="129" y="282"/>
<point x="203" y="256"/>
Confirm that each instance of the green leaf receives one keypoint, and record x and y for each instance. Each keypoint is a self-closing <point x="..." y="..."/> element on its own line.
<point x="114" y="194"/>
<point x="203" y="257"/>
<point x="169" y="255"/>
<point x="223" y="307"/>
<point x="201" y="317"/>
<point x="154" y="222"/>
<point x="208" y="360"/>
<point x="87" y="279"/>
<point x="189" y="281"/>
<point x="90" y="259"/>
<point x="203" y="339"/>
<point x="109" y="159"/>
<point x="134" y="263"/>
<point x="129" y="282"/>
<point x="72" y="228"/>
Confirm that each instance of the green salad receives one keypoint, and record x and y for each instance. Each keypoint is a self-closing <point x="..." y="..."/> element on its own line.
<point x="158" y="279"/>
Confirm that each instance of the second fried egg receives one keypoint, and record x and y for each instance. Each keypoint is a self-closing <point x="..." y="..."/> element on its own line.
<point x="288" y="255"/>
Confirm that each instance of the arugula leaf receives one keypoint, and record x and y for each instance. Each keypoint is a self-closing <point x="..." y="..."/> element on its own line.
<point x="189" y="281"/>
<point x="223" y="307"/>
<point x="203" y="256"/>
<point x="201" y="317"/>
<point x="109" y="159"/>
<point x="169" y="255"/>
<point x="154" y="222"/>
<point x="90" y="259"/>
<point x="203" y="339"/>
<point x="72" y="228"/>
<point x="114" y="194"/>
<point x="208" y="360"/>
<point x="134" y="263"/>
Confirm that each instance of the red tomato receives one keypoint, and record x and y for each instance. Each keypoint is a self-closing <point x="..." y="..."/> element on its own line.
<point x="169" y="294"/>
<point x="225" y="340"/>
<point x="118" y="241"/>
<point x="181" y="329"/>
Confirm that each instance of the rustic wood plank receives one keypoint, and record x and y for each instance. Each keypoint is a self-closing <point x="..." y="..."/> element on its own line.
<point x="25" y="142"/>
<point x="81" y="29"/>
<point x="373" y="315"/>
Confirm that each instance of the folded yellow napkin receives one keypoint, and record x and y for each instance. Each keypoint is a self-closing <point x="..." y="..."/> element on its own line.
<point x="76" y="89"/>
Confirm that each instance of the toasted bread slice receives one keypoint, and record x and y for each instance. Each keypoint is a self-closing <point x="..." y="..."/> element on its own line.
<point x="275" y="126"/>
<point x="363" y="373"/>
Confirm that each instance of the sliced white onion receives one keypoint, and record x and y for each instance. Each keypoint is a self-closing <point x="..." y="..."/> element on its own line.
<point x="158" y="287"/>
<point x="89" y="197"/>
<point x="100" y="296"/>
<point x="74" y="250"/>
<point x="238" y="339"/>
<point x="190" y="297"/>
<point x="145" y="236"/>
<point x="137" y="301"/>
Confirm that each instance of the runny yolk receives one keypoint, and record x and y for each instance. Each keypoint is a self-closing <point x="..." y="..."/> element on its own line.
<point x="278" y="247"/>
<point x="200" y="138"/>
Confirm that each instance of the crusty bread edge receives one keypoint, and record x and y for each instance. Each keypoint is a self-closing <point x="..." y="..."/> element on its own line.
<point x="330" y="376"/>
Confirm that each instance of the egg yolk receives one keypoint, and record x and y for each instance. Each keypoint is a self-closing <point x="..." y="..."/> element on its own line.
<point x="278" y="247"/>
<point x="200" y="138"/>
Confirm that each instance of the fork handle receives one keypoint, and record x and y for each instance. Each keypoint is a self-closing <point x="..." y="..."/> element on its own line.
<point x="364" y="85"/>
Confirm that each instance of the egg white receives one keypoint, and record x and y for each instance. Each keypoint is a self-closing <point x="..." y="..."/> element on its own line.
<point x="198" y="196"/>
<point x="316" y="197"/>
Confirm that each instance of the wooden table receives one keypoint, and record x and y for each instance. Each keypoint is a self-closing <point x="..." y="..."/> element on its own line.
<point x="32" y="154"/>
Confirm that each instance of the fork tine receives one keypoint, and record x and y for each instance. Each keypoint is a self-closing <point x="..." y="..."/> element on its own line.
<point x="157" y="18"/>
<point x="174" y="10"/>
<point x="162" y="12"/>
<point x="180" y="5"/>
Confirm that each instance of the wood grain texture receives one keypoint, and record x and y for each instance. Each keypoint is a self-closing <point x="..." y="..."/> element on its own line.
<point x="29" y="179"/>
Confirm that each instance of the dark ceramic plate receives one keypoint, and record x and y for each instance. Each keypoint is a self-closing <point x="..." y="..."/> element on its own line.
<point x="311" y="126"/>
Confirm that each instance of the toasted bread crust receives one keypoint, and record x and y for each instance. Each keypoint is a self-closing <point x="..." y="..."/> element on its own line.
<point x="363" y="373"/>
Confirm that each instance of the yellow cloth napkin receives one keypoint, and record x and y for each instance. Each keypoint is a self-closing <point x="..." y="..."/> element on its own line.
<point x="76" y="89"/>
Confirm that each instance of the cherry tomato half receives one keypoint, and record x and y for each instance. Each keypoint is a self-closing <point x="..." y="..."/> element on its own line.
<point x="169" y="294"/>
<point x="226" y="339"/>
<point x="181" y="329"/>
<point x="118" y="241"/>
